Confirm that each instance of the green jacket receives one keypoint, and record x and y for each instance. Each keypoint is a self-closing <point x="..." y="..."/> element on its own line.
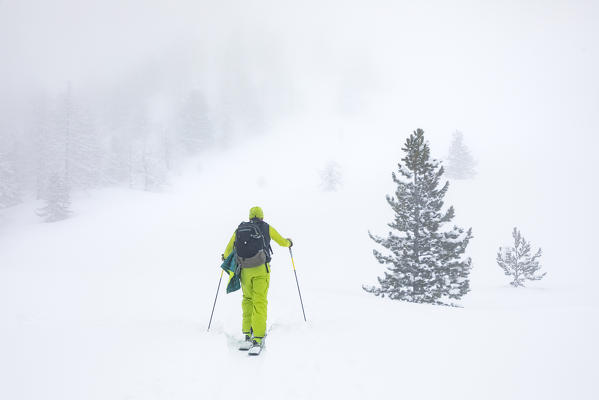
<point x="230" y="267"/>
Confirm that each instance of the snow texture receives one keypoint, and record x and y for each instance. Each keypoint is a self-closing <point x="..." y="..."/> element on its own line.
<point x="167" y="120"/>
<point x="115" y="301"/>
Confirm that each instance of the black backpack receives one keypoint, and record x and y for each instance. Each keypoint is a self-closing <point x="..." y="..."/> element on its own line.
<point x="250" y="245"/>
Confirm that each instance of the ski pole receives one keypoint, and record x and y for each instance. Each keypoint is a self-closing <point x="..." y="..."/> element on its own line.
<point x="214" y="305"/>
<point x="297" y="282"/>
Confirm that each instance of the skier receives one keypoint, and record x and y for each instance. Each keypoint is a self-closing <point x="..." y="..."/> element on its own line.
<point x="251" y="241"/>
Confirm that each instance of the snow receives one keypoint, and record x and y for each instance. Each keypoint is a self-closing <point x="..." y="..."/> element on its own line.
<point x="114" y="303"/>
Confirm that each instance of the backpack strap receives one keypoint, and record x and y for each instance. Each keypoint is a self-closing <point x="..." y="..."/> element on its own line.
<point x="265" y="228"/>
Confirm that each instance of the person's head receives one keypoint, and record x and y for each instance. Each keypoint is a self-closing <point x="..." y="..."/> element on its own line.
<point x="256" y="212"/>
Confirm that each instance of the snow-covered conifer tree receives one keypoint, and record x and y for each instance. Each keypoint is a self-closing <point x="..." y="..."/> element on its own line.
<point x="194" y="125"/>
<point x="518" y="262"/>
<point x="85" y="156"/>
<point x="460" y="164"/>
<point x="9" y="185"/>
<point x="10" y="188"/>
<point x="57" y="199"/>
<point x="67" y="144"/>
<point x="330" y="177"/>
<point x="152" y="167"/>
<point x="425" y="262"/>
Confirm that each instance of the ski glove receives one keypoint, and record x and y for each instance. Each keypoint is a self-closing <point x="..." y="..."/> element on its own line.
<point x="290" y="242"/>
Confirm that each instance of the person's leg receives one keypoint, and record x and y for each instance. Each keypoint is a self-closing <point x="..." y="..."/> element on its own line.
<point x="246" y="302"/>
<point x="260" y="283"/>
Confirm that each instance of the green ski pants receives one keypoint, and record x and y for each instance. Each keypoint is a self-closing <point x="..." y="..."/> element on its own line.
<point x="254" y="284"/>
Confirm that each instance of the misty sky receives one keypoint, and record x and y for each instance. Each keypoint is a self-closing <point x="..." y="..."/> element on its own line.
<point x="518" y="78"/>
<point x="525" y="67"/>
<point x="456" y="51"/>
<point x="153" y="126"/>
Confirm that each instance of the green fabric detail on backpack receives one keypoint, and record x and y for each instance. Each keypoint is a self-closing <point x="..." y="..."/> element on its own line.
<point x="230" y="267"/>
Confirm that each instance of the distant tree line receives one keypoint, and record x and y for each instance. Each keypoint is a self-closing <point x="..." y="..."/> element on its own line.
<point x="66" y="143"/>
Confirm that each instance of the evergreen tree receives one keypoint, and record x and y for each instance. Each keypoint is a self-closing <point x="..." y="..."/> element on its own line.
<point x="460" y="164"/>
<point x="57" y="200"/>
<point x="330" y="177"/>
<point x="153" y="169"/>
<point x="117" y="167"/>
<point x="84" y="157"/>
<point x="519" y="262"/>
<point x="10" y="188"/>
<point x="425" y="262"/>
<point x="48" y="134"/>
<point x="195" y="127"/>
<point x="67" y="143"/>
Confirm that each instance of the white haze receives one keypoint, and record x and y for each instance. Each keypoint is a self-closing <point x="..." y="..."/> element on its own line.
<point x="519" y="79"/>
<point x="316" y="82"/>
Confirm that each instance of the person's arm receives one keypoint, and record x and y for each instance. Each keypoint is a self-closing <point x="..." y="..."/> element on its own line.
<point x="276" y="236"/>
<point x="229" y="248"/>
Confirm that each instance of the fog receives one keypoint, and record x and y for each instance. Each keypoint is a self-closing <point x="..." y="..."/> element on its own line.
<point x="352" y="79"/>
<point x="136" y="134"/>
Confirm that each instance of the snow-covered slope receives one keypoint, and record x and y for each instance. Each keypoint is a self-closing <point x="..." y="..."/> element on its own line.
<point x="114" y="303"/>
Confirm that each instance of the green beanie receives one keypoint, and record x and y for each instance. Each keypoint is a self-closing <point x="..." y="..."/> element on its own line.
<point x="256" y="212"/>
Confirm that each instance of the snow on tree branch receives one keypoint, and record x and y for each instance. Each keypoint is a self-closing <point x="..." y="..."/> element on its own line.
<point x="519" y="262"/>
<point x="425" y="262"/>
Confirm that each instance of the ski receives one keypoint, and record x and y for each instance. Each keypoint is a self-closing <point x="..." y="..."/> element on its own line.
<point x="245" y="345"/>
<point x="256" y="349"/>
<point x="248" y="345"/>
